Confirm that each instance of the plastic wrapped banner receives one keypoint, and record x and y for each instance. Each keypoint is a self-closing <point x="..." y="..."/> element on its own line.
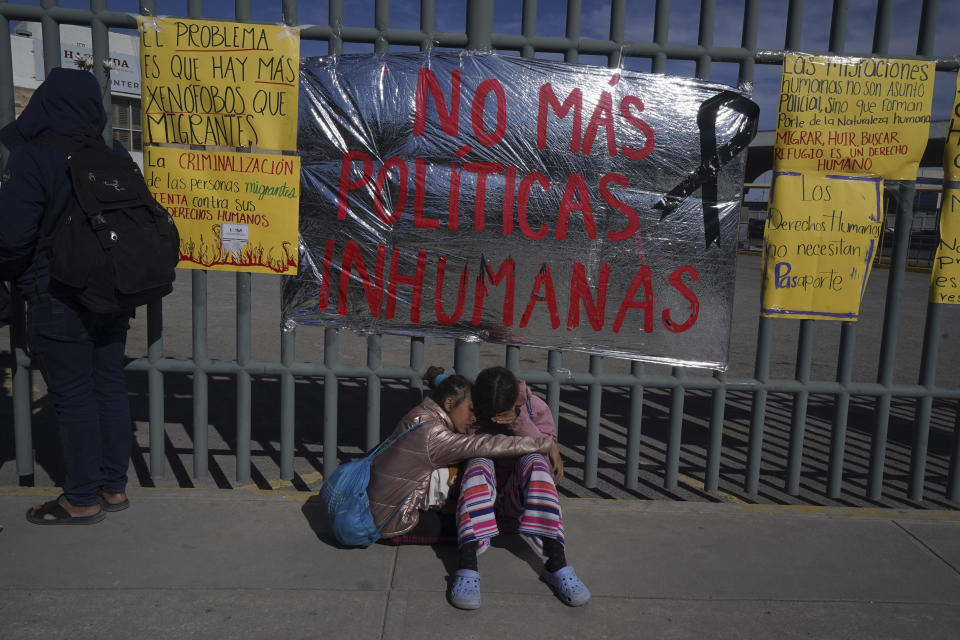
<point x="520" y="201"/>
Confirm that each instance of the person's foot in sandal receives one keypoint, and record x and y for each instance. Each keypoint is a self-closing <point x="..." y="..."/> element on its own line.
<point x="465" y="589"/>
<point x="566" y="586"/>
<point x="60" y="511"/>
<point x="111" y="502"/>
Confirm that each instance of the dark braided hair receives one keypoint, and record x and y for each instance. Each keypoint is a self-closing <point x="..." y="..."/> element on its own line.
<point x="494" y="391"/>
<point x="450" y="386"/>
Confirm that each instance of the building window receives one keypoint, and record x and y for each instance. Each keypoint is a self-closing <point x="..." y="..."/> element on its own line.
<point x="126" y="123"/>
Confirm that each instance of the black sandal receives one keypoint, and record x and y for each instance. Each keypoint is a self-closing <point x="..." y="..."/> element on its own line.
<point x="60" y="515"/>
<point x="112" y="507"/>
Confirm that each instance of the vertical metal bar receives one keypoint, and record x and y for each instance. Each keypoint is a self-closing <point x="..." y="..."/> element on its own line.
<point x="288" y="402"/>
<point x="244" y="395"/>
<point x="708" y="10"/>
<point x="241" y="10"/>
<point x="792" y="38"/>
<point x="928" y="27"/>
<point x="330" y="357"/>
<point x="21" y="376"/>
<point x="201" y="400"/>
<point x="555" y="369"/>
<point x="883" y="26"/>
<point x="921" y="428"/>
<point x="416" y="361"/>
<point x="479" y="24"/>
<point x="676" y="430"/>
<point x="751" y="20"/>
<point x="7" y="104"/>
<point x="888" y="342"/>
<point x="22" y="390"/>
<point x="335" y="45"/>
<point x="592" y="451"/>
<point x="799" y="414"/>
<point x="841" y="409"/>
<point x="195" y="9"/>
<point x="155" y="386"/>
<point x="51" y="38"/>
<point x="634" y="431"/>
<point x="373" y="391"/>
<point x="838" y="26"/>
<point x="428" y="23"/>
<point x="289" y="8"/>
<point x="148" y="7"/>
<point x="100" y="45"/>
<point x="711" y="481"/>
<point x="661" y="32"/>
<point x="953" y="480"/>
<point x="572" y="54"/>
<point x="466" y="358"/>
<point x="618" y="21"/>
<point x="512" y="358"/>
<point x="381" y="22"/>
<point x="759" y="409"/>
<point x="528" y="26"/>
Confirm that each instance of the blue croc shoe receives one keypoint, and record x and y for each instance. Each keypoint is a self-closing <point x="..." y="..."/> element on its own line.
<point x="465" y="589"/>
<point x="567" y="586"/>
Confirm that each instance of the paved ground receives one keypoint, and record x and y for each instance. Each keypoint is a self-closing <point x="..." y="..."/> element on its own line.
<point x="254" y="564"/>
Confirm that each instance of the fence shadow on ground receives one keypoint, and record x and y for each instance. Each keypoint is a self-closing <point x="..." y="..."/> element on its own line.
<point x="397" y="398"/>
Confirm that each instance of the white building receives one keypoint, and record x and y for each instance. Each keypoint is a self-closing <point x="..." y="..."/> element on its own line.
<point x="75" y="46"/>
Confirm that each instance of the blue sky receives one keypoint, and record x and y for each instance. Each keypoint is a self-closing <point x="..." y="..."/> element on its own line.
<point x="595" y="23"/>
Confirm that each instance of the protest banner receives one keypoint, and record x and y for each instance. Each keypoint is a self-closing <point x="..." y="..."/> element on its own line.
<point x="819" y="243"/>
<point x="234" y="211"/>
<point x="853" y="115"/>
<point x="951" y="143"/>
<point x="520" y="201"/>
<point x="219" y="83"/>
<point x="945" y="275"/>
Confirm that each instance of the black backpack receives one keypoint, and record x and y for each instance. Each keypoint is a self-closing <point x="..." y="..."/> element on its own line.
<point x="114" y="247"/>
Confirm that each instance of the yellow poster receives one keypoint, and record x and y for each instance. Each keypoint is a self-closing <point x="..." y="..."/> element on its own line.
<point x="951" y="144"/>
<point x="819" y="243"/>
<point x="234" y="211"/>
<point x="219" y="83"/>
<point x="945" y="276"/>
<point x="853" y="115"/>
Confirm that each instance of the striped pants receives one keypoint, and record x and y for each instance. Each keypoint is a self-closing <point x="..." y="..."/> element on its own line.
<point x="526" y="504"/>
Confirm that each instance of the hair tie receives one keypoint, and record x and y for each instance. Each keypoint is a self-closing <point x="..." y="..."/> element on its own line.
<point x="440" y="378"/>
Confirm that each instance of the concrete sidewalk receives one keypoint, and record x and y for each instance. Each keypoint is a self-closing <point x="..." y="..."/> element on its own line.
<point x="242" y="563"/>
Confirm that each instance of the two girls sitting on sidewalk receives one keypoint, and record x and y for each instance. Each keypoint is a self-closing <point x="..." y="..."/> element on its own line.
<point x="510" y="443"/>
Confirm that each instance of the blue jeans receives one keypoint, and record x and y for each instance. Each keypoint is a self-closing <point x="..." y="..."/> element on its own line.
<point x="80" y="354"/>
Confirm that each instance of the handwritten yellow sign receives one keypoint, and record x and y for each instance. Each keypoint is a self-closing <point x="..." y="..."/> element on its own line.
<point x="219" y="83"/>
<point x="945" y="276"/>
<point x="951" y="144"/>
<point x="820" y="239"/>
<point x="853" y="115"/>
<point x="234" y="211"/>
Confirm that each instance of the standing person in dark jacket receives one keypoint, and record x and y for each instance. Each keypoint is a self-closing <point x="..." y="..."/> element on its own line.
<point x="80" y="353"/>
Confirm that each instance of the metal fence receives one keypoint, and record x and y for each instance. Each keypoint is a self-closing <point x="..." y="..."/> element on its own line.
<point x="676" y="386"/>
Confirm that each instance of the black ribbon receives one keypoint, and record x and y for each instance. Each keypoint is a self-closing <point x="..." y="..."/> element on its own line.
<point x="713" y="159"/>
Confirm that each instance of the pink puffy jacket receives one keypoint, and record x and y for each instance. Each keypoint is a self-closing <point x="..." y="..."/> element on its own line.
<point x="404" y="469"/>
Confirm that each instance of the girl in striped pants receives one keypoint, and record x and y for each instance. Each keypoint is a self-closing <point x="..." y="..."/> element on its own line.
<point x="516" y="495"/>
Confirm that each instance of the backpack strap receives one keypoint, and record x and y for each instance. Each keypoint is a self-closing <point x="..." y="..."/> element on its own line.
<point x="389" y="442"/>
<point x="394" y="512"/>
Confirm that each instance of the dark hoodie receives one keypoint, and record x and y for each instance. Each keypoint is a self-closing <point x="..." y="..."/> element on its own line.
<point x="36" y="185"/>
